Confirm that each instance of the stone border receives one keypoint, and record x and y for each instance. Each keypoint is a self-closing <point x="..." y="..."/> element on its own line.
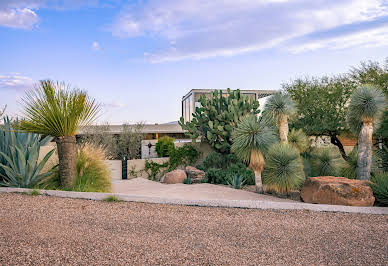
<point x="248" y="204"/>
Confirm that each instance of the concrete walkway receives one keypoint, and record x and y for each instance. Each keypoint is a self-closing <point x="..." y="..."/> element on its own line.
<point x="148" y="188"/>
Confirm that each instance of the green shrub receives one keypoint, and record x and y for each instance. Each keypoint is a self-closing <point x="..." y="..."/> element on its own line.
<point x="349" y="170"/>
<point x="93" y="175"/>
<point x="237" y="182"/>
<point x="185" y="155"/>
<point x="326" y="161"/>
<point x="111" y="199"/>
<point x="154" y="170"/>
<point x="299" y="140"/>
<point x="380" y="187"/>
<point x="34" y="192"/>
<point x="218" y="161"/>
<point x="284" y="168"/>
<point x="164" y="146"/>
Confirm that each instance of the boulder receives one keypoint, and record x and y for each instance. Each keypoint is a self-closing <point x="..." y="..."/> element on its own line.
<point x="174" y="177"/>
<point x="337" y="191"/>
<point x="195" y="174"/>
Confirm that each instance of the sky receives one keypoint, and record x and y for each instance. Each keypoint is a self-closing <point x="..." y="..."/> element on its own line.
<point x="138" y="58"/>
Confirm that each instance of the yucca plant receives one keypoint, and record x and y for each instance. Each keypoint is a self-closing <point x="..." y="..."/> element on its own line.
<point x="236" y="182"/>
<point x="19" y="153"/>
<point x="366" y="106"/>
<point x="299" y="140"/>
<point x="283" y="171"/>
<point x="57" y="110"/>
<point x="326" y="161"/>
<point x="251" y="138"/>
<point x="380" y="187"/>
<point x="280" y="107"/>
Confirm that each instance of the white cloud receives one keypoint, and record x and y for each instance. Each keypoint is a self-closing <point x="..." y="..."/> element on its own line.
<point x="96" y="46"/>
<point x="15" y="82"/>
<point x="202" y="28"/>
<point x="18" y="18"/>
<point x="376" y="37"/>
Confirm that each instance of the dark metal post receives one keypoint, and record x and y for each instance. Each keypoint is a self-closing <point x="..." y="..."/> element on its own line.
<point x="124" y="167"/>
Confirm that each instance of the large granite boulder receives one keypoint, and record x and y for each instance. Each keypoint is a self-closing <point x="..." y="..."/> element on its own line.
<point x="195" y="174"/>
<point x="174" y="177"/>
<point x="337" y="191"/>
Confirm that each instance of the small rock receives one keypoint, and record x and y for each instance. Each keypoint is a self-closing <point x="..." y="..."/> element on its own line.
<point x="195" y="174"/>
<point x="174" y="177"/>
<point x="337" y="191"/>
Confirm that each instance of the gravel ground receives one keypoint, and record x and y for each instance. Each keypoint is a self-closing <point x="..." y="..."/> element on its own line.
<point x="43" y="230"/>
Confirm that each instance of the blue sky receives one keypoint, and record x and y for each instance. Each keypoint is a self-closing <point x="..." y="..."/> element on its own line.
<point x="138" y="58"/>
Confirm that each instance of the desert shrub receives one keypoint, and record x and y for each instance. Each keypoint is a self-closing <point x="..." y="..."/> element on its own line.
<point x="325" y="161"/>
<point x="284" y="168"/>
<point x="154" y="170"/>
<point x="299" y="140"/>
<point x="237" y="182"/>
<point x="112" y="199"/>
<point x="218" y="161"/>
<point x="380" y="187"/>
<point x="93" y="175"/>
<point x="185" y="155"/>
<point x="164" y="146"/>
<point x="349" y="169"/>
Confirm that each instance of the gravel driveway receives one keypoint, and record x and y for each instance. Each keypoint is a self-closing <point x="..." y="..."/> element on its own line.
<point x="43" y="230"/>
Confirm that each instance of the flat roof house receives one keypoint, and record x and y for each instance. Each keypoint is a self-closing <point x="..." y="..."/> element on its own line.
<point x="190" y="100"/>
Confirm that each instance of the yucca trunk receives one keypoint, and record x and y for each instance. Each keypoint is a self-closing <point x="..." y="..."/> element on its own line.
<point x="283" y="128"/>
<point x="364" y="156"/>
<point x="257" y="165"/>
<point x="67" y="155"/>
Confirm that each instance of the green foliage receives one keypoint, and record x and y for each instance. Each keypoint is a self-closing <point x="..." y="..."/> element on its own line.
<point x="299" y="140"/>
<point x="154" y="170"/>
<point x="325" y="161"/>
<point x="251" y="135"/>
<point x="380" y="188"/>
<point x="164" y="146"/>
<point x="111" y="199"/>
<point x="236" y="182"/>
<point x="187" y="181"/>
<point x="280" y="103"/>
<point x="366" y="103"/>
<point x="34" y="192"/>
<point x="349" y="170"/>
<point x="93" y="175"/>
<point x="19" y="153"/>
<point x="220" y="168"/>
<point x="185" y="155"/>
<point x="54" y="109"/>
<point x="284" y="168"/>
<point x="218" y="115"/>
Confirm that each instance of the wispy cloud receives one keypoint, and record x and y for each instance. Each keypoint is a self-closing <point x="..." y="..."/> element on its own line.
<point x="96" y="46"/>
<point x="113" y="104"/>
<point x="18" y="18"/>
<point x="15" y="82"/>
<point x="201" y="29"/>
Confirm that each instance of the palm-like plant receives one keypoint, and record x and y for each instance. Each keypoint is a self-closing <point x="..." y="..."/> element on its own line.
<point x="251" y="139"/>
<point x="280" y="107"/>
<point x="326" y="161"/>
<point x="366" y="106"/>
<point x="299" y="140"/>
<point x="57" y="110"/>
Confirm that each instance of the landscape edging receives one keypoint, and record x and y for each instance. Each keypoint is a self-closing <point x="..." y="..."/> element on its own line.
<point x="248" y="204"/>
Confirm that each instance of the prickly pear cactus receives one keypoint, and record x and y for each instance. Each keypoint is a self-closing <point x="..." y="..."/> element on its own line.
<point x="218" y="115"/>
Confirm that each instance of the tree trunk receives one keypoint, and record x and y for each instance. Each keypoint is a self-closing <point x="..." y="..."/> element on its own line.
<point x="257" y="165"/>
<point x="364" y="155"/>
<point x="67" y="155"/>
<point x="283" y="128"/>
<point x="334" y="140"/>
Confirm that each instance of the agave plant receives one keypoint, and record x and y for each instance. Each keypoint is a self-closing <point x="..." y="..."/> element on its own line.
<point x="54" y="109"/>
<point x="366" y="106"/>
<point x="283" y="171"/>
<point x="19" y="153"/>
<point x="251" y="139"/>
<point x="279" y="107"/>
<point x="326" y="161"/>
<point x="236" y="182"/>
<point x="299" y="140"/>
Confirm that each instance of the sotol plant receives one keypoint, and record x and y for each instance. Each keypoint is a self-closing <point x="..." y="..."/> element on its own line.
<point x="326" y="161"/>
<point x="299" y="140"/>
<point x="19" y="153"/>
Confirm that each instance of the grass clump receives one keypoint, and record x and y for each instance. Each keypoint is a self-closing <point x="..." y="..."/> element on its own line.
<point x="326" y="161"/>
<point x="34" y="192"/>
<point x="111" y="199"/>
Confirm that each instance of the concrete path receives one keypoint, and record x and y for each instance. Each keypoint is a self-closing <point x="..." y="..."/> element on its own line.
<point x="148" y="188"/>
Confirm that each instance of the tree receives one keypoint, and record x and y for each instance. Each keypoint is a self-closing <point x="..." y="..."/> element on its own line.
<point x="218" y="115"/>
<point x="366" y="106"/>
<point x="322" y="106"/>
<point x="280" y="107"/>
<point x="251" y="139"/>
<point x="57" y="110"/>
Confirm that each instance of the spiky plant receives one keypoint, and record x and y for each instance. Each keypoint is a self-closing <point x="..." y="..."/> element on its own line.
<point x="326" y="161"/>
<point x="57" y="110"/>
<point x="250" y="140"/>
<point x="366" y="106"/>
<point x="236" y="182"/>
<point x="283" y="170"/>
<point x="380" y="187"/>
<point x="299" y="140"/>
<point x="349" y="169"/>
<point x="280" y="107"/>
